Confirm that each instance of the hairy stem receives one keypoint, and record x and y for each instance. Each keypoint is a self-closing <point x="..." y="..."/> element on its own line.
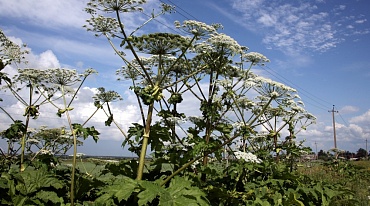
<point x="72" y="189"/>
<point x="24" y="135"/>
<point x="144" y="146"/>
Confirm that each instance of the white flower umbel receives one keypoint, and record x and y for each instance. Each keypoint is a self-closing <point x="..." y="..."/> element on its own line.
<point x="247" y="156"/>
<point x="197" y="28"/>
<point x="255" y="58"/>
<point x="195" y="164"/>
<point x="33" y="141"/>
<point x="44" y="151"/>
<point x="223" y="41"/>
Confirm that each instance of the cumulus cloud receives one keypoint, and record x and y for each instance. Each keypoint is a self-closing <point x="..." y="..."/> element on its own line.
<point x="362" y="119"/>
<point x="65" y="13"/>
<point x="125" y="113"/>
<point x="62" y="14"/>
<point x="348" y="109"/>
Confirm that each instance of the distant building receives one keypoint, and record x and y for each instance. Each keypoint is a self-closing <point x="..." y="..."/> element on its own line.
<point x="308" y="157"/>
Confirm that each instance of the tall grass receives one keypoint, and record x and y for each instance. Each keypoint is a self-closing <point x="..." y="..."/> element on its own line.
<point x="355" y="175"/>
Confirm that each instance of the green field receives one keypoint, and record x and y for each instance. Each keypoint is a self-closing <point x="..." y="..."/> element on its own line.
<point x="355" y="175"/>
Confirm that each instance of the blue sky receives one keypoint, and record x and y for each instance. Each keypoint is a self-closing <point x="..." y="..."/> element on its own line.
<point x="320" y="47"/>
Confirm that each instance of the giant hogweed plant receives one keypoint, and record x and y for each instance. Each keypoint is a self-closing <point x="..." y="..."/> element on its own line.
<point x="213" y="71"/>
<point x="210" y="68"/>
<point x="150" y="77"/>
<point x="55" y="87"/>
<point x="58" y="87"/>
<point x="175" y="66"/>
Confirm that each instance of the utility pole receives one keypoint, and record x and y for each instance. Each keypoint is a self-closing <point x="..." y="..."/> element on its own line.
<point x="335" y="136"/>
<point x="366" y="149"/>
<point x="317" y="156"/>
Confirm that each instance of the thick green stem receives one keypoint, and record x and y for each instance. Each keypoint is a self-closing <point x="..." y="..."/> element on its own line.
<point x="72" y="189"/>
<point x="144" y="146"/>
<point x="23" y="143"/>
<point x="24" y="135"/>
<point x="73" y="161"/>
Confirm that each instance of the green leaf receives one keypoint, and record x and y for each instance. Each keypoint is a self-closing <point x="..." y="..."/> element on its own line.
<point x="121" y="189"/>
<point x="85" y="132"/>
<point x="180" y="192"/>
<point x="104" y="199"/>
<point x="19" y="200"/>
<point x="158" y="134"/>
<point x="109" y="120"/>
<point x="48" y="196"/>
<point x="168" y="200"/>
<point x="151" y="191"/>
<point x="125" y="193"/>
<point x="136" y="131"/>
<point x="34" y="180"/>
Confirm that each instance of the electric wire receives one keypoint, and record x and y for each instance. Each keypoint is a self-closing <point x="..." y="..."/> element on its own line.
<point x="297" y="86"/>
<point x="345" y="122"/>
<point x="273" y="73"/>
<point x="170" y="28"/>
<point x="176" y="6"/>
<point x="302" y="91"/>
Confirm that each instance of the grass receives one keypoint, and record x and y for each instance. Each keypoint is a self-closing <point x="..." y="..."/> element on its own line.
<point x="355" y="175"/>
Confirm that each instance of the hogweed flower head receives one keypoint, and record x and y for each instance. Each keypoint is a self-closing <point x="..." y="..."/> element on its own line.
<point x="10" y="52"/>
<point x="255" y="58"/>
<point x="30" y="75"/>
<point x="63" y="77"/>
<point x="159" y="43"/>
<point x="197" y="28"/>
<point x="89" y="71"/>
<point x="47" y="152"/>
<point x="33" y="141"/>
<point x="114" y="5"/>
<point x="247" y="156"/>
<point x="223" y="42"/>
<point x="272" y="89"/>
<point x="106" y="96"/>
<point x="102" y="25"/>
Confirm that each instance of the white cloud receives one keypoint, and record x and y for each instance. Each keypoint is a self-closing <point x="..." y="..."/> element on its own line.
<point x="311" y="133"/>
<point x="362" y="119"/>
<point x="267" y="20"/>
<point x="350" y="27"/>
<point x="125" y="112"/>
<point x="58" y="15"/>
<point x="348" y="109"/>
<point x="361" y="21"/>
<point x="45" y="13"/>
<point x="294" y="27"/>
<point x="47" y="59"/>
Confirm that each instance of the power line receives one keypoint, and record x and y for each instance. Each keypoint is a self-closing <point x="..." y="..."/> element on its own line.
<point x="300" y="87"/>
<point x="303" y="92"/>
<point x="176" y="6"/>
<point x="346" y="123"/>
<point x="150" y="16"/>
